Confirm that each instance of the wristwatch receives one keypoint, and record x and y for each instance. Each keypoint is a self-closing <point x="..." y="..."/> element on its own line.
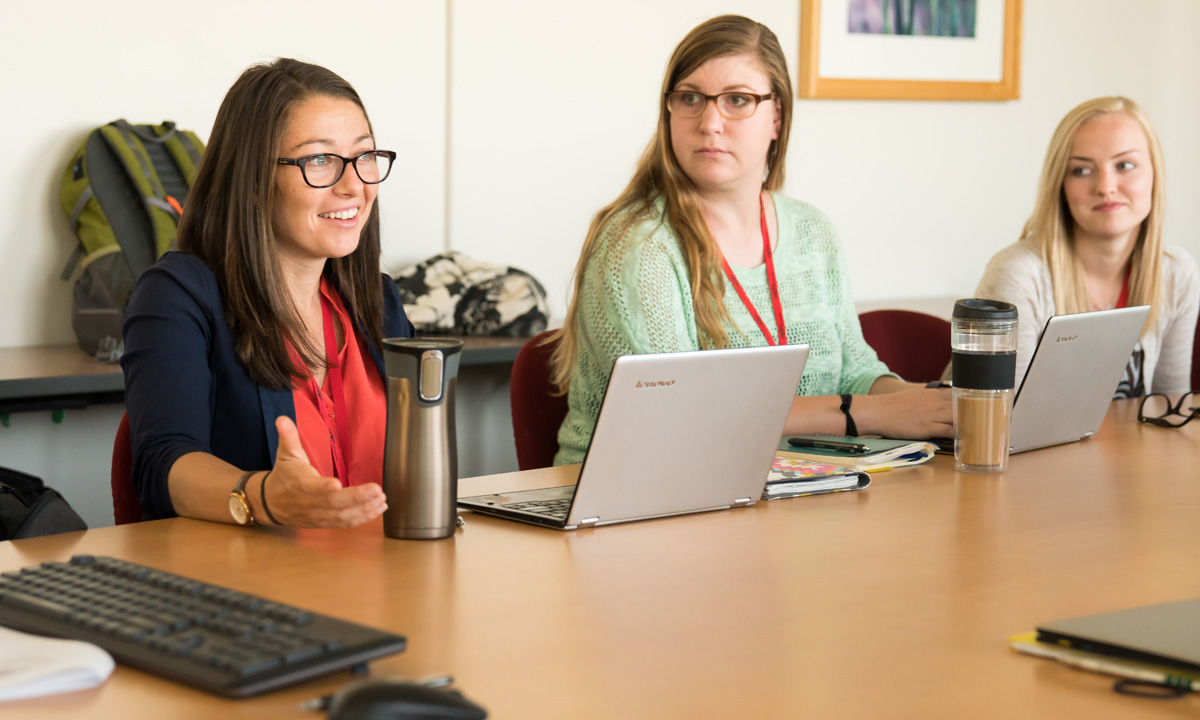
<point x="239" y="505"/>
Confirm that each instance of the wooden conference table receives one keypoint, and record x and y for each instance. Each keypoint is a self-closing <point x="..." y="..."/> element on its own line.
<point x="892" y="602"/>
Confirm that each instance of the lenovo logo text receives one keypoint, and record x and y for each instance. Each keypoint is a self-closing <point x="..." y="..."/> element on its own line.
<point x="1067" y="338"/>
<point x="654" y="383"/>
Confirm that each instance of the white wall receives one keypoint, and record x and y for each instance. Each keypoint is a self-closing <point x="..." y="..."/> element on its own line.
<point x="71" y="66"/>
<point x="551" y="105"/>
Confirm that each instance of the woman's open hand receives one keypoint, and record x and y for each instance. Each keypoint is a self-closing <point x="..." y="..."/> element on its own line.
<point x="300" y="496"/>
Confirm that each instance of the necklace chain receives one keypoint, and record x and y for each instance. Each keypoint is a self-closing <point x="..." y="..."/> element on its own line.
<point x="1112" y="303"/>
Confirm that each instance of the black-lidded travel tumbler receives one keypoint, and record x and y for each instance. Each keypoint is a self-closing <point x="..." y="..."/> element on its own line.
<point x="983" y="344"/>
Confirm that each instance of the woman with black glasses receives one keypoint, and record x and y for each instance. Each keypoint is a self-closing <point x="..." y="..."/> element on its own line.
<point x="253" y="373"/>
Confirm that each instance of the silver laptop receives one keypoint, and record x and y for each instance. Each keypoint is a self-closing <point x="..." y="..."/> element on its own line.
<point x="1072" y="376"/>
<point x="677" y="433"/>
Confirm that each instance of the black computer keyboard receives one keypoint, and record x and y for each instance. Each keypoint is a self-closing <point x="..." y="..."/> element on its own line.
<point x="203" y="635"/>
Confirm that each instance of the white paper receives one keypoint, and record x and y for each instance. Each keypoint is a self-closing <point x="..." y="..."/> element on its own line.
<point x="31" y="665"/>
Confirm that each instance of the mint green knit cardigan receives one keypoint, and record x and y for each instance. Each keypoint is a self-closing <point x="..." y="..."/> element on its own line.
<point x="636" y="298"/>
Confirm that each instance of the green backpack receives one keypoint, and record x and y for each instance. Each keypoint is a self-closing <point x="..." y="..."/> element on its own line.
<point x="123" y="193"/>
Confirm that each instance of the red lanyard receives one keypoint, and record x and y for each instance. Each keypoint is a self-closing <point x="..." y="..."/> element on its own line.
<point x="771" y="284"/>
<point x="339" y="438"/>
<point x="1123" y="298"/>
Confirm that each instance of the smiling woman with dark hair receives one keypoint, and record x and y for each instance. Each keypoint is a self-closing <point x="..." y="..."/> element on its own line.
<point x="260" y="338"/>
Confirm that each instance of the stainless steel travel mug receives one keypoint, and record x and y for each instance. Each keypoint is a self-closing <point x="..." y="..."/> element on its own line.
<point x="983" y="344"/>
<point x="420" y="458"/>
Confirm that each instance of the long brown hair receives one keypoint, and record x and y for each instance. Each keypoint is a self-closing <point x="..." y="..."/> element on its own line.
<point x="1051" y="226"/>
<point x="658" y="174"/>
<point x="227" y="223"/>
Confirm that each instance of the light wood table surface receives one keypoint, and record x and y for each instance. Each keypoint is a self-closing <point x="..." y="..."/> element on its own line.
<point x="893" y="602"/>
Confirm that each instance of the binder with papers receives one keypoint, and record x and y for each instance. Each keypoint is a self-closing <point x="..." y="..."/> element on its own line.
<point x="790" y="477"/>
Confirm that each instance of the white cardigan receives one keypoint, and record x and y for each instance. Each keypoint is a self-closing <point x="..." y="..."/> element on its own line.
<point x="1018" y="275"/>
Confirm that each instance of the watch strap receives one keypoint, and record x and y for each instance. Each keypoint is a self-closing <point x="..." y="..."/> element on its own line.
<point x="851" y="427"/>
<point x="241" y="483"/>
<point x="238" y="494"/>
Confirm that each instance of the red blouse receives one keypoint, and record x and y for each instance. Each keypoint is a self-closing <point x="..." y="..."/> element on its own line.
<point x="365" y="402"/>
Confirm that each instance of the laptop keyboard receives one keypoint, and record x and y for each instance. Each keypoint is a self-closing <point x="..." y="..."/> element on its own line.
<point x="208" y="636"/>
<point x="557" y="509"/>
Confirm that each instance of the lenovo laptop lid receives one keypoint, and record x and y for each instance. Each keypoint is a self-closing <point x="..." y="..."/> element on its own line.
<point x="677" y="433"/>
<point x="1072" y="376"/>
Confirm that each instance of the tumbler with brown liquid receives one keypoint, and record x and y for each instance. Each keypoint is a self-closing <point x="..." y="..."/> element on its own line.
<point x="983" y="342"/>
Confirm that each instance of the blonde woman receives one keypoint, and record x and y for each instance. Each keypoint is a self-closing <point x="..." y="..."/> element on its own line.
<point x="1094" y="242"/>
<point x="701" y="251"/>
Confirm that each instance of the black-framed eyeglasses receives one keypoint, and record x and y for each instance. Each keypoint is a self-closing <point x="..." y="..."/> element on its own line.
<point x="1157" y="409"/>
<point x="325" y="169"/>
<point x="731" y="105"/>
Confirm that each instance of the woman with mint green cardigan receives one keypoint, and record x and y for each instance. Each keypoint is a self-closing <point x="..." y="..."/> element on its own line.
<point x="699" y="252"/>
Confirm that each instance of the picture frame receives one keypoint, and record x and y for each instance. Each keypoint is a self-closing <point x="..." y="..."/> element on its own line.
<point x="838" y="63"/>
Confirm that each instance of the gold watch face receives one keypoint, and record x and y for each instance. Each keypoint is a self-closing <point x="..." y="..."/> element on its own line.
<point x="239" y="509"/>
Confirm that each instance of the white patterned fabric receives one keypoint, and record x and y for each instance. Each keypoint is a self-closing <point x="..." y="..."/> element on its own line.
<point x="636" y="298"/>
<point x="455" y="294"/>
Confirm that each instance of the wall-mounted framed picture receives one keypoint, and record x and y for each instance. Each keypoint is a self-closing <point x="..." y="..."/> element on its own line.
<point x="910" y="49"/>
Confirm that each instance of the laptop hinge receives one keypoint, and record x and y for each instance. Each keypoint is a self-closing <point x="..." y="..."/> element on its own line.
<point x="588" y="522"/>
<point x="741" y="502"/>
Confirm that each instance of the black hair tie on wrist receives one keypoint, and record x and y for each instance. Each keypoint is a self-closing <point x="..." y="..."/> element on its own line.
<point x="851" y="428"/>
<point x="262" y="494"/>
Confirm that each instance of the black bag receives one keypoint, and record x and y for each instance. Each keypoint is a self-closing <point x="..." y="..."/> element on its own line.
<point x="30" y="509"/>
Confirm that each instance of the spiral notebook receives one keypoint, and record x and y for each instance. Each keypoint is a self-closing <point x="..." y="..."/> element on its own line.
<point x="792" y="477"/>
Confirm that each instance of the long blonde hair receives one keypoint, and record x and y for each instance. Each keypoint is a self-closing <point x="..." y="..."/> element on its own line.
<point x="1050" y="227"/>
<point x="658" y="174"/>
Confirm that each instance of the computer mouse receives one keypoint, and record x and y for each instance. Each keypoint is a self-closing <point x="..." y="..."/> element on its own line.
<point x="387" y="699"/>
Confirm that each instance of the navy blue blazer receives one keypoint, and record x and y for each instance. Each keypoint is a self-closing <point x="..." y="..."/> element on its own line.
<point x="185" y="389"/>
